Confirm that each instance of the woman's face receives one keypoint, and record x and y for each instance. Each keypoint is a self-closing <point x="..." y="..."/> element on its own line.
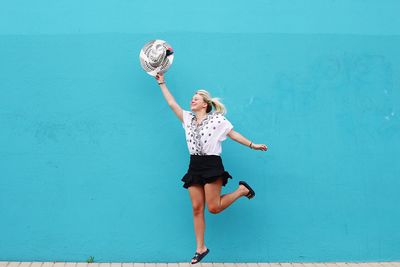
<point x="197" y="103"/>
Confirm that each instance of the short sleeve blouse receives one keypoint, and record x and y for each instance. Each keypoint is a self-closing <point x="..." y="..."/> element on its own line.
<point x="205" y="138"/>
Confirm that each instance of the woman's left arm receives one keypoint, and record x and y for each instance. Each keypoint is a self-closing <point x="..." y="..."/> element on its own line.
<point x="243" y="140"/>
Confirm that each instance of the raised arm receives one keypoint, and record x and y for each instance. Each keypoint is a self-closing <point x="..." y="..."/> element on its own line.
<point x="168" y="97"/>
<point x="244" y="141"/>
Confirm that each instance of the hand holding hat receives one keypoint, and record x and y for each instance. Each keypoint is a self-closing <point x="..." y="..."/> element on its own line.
<point x="160" y="78"/>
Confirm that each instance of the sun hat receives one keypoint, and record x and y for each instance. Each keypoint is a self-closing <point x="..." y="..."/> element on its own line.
<point x="156" y="56"/>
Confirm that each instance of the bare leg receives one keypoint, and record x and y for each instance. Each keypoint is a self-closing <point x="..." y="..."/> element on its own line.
<point x="198" y="202"/>
<point x="217" y="203"/>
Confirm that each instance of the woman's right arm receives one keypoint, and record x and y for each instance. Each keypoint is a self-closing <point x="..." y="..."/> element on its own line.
<point x="168" y="97"/>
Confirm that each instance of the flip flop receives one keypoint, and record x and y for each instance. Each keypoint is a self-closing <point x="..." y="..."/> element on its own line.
<point x="199" y="256"/>
<point x="251" y="193"/>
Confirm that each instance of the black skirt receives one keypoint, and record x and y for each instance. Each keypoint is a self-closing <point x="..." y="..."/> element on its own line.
<point x="205" y="169"/>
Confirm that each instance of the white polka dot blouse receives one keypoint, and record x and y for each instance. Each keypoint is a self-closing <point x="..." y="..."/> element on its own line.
<point x="205" y="138"/>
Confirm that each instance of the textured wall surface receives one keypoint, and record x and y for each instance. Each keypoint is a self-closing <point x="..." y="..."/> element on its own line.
<point x="91" y="156"/>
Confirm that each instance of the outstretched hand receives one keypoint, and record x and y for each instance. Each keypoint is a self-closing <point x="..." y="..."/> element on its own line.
<point x="259" y="147"/>
<point x="160" y="77"/>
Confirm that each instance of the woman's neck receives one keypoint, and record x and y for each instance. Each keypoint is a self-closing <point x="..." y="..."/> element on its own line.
<point x="200" y="115"/>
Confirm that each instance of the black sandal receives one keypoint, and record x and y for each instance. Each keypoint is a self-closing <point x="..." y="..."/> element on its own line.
<point x="251" y="193"/>
<point x="199" y="256"/>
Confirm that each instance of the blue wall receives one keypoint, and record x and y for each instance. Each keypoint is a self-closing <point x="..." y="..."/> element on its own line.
<point x="91" y="156"/>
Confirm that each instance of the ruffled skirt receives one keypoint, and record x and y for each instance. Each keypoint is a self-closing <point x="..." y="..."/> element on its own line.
<point x="205" y="169"/>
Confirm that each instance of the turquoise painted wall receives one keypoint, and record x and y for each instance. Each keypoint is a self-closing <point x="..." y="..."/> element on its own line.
<point x="91" y="156"/>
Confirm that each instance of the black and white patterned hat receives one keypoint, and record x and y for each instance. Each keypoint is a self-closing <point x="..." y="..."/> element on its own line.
<point x="156" y="57"/>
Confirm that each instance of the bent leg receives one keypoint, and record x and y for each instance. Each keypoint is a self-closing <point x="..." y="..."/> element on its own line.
<point x="217" y="203"/>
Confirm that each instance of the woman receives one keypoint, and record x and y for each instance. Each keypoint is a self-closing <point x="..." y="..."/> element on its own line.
<point x="205" y="130"/>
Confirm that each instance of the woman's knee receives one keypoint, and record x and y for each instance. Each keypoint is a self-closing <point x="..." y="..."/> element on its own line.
<point x="198" y="208"/>
<point x="198" y="198"/>
<point x="213" y="198"/>
<point x="214" y="207"/>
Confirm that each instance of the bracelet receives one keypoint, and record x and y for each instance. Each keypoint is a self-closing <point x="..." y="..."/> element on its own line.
<point x="161" y="82"/>
<point x="250" y="145"/>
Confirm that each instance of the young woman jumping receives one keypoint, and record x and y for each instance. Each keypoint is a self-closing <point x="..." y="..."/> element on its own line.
<point x="205" y="130"/>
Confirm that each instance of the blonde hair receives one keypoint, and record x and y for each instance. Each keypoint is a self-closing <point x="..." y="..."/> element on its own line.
<point x="212" y="102"/>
